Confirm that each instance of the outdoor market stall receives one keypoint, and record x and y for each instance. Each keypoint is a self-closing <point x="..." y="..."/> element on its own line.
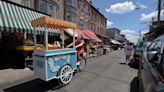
<point x="54" y="61"/>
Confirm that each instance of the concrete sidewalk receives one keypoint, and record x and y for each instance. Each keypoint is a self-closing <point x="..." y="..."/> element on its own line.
<point x="12" y="77"/>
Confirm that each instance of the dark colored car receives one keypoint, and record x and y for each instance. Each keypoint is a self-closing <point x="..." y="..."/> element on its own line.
<point x="151" y="67"/>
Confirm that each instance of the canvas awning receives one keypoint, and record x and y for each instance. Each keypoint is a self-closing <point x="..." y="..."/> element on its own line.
<point x="80" y="32"/>
<point x="77" y="32"/>
<point x="52" y="23"/>
<point x="91" y="35"/>
<point x="115" y="41"/>
<point x="14" y="18"/>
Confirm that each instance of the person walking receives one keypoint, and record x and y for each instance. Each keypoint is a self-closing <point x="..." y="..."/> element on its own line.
<point x="128" y="52"/>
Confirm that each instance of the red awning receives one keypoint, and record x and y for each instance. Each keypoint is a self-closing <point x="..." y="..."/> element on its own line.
<point x="91" y="35"/>
<point x="80" y="32"/>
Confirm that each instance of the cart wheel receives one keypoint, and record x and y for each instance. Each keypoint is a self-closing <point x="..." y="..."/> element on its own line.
<point x="82" y="65"/>
<point x="66" y="75"/>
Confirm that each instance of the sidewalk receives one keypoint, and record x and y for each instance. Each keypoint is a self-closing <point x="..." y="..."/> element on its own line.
<point x="12" y="77"/>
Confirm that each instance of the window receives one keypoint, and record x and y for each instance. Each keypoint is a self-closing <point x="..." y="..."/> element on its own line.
<point x="70" y="16"/>
<point x="154" y="57"/>
<point x="81" y="23"/>
<point x="27" y="3"/>
<point x="50" y="8"/>
<point x="82" y="7"/>
<point x="42" y="6"/>
<point x="161" y="66"/>
<point x="71" y="2"/>
<point x="151" y="46"/>
<point x="157" y="47"/>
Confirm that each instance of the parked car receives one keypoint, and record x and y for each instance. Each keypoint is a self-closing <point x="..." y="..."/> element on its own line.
<point x="151" y="67"/>
<point x="138" y="51"/>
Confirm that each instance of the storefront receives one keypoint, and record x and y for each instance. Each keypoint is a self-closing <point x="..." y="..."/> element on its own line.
<point x="16" y="41"/>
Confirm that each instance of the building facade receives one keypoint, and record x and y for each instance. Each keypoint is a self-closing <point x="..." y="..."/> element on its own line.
<point x="55" y="8"/>
<point x="81" y="12"/>
<point x="91" y="18"/>
<point x="70" y="10"/>
<point x="84" y="9"/>
<point x="114" y="33"/>
<point x="98" y="22"/>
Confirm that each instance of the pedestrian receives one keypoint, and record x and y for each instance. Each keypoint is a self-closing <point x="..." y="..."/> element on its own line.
<point x="128" y="51"/>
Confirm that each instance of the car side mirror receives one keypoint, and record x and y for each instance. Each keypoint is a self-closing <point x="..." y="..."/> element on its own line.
<point x="138" y="52"/>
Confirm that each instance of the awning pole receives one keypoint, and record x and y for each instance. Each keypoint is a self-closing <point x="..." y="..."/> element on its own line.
<point x="46" y="37"/>
<point x="63" y="38"/>
<point x="25" y="35"/>
<point x="34" y="34"/>
<point x="73" y="38"/>
<point x="0" y="35"/>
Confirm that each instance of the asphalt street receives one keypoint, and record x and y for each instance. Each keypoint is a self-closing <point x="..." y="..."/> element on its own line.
<point x="103" y="74"/>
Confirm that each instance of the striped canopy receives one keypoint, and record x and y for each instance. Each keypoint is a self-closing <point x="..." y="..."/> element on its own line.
<point x="14" y="18"/>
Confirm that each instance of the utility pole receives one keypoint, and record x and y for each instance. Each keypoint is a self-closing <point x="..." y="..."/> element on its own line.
<point x="159" y="13"/>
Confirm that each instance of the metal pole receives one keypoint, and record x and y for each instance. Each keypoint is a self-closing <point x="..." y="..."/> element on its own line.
<point x="159" y="12"/>
<point x="73" y="38"/>
<point x="62" y="38"/>
<point x="46" y="37"/>
<point x="34" y="34"/>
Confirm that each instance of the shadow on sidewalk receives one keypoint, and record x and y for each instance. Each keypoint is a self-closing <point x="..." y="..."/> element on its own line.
<point x="134" y="85"/>
<point x="36" y="85"/>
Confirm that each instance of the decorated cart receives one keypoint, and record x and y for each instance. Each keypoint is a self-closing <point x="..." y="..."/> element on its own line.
<point x="53" y="61"/>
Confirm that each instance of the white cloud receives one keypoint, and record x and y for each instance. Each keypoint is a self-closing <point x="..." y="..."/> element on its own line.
<point x="109" y="23"/>
<point x="131" y="35"/>
<point x="150" y="16"/>
<point x="132" y="38"/>
<point x="120" y="8"/>
<point x="144" y="32"/>
<point x="141" y="6"/>
<point x="127" y="31"/>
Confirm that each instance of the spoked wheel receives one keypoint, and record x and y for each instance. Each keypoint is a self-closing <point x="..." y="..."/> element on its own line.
<point x="66" y="75"/>
<point x="82" y="64"/>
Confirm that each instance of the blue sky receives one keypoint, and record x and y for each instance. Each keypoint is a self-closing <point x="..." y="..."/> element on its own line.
<point x="129" y="16"/>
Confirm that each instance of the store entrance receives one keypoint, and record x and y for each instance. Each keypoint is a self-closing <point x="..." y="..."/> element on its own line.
<point x="8" y="43"/>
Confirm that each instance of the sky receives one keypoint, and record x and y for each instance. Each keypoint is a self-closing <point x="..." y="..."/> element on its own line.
<point x="130" y="16"/>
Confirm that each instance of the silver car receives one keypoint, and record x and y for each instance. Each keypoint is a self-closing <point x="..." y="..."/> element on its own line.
<point x="151" y="67"/>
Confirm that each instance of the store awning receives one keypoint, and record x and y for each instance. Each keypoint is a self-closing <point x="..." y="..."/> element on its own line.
<point x="80" y="32"/>
<point x="14" y="18"/>
<point x="52" y="23"/>
<point x="70" y="32"/>
<point x="115" y="41"/>
<point x="77" y="32"/>
<point x="91" y="35"/>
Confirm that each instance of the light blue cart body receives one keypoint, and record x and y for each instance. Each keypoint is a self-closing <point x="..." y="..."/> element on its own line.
<point x="47" y="64"/>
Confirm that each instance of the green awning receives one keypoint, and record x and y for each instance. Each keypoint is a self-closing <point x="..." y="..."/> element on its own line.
<point x="14" y="18"/>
